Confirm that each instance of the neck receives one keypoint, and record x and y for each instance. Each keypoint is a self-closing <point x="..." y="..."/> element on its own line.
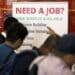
<point x="9" y="44"/>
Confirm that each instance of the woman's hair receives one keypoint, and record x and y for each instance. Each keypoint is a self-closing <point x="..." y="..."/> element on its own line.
<point x="50" y="43"/>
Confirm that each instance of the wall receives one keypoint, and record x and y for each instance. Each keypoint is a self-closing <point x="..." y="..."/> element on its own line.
<point x="2" y="6"/>
<point x="71" y="11"/>
<point x="72" y="16"/>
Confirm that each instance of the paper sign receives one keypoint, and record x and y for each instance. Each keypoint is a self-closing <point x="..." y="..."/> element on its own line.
<point x="36" y="16"/>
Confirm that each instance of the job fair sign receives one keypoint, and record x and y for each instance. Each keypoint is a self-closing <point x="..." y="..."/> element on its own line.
<point x="36" y="16"/>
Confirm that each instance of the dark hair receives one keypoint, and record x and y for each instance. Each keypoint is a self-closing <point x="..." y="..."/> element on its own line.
<point x="66" y="44"/>
<point x="8" y="22"/>
<point x="2" y="39"/>
<point x="49" y="44"/>
<point x="16" y="31"/>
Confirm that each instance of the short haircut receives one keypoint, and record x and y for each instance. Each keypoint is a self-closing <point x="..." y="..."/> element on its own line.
<point x="66" y="44"/>
<point x="16" y="31"/>
<point x="8" y="22"/>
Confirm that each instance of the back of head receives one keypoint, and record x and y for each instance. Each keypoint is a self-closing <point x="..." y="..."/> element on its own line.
<point x="67" y="44"/>
<point x="8" y="22"/>
<point x="16" y="31"/>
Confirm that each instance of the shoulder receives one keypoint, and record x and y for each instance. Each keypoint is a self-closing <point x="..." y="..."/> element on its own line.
<point x="35" y="61"/>
<point x="54" y="65"/>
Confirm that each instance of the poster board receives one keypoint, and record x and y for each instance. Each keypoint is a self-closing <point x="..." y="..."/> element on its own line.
<point x="36" y="16"/>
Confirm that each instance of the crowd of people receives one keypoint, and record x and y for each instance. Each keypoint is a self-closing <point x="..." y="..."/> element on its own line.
<point x="56" y="56"/>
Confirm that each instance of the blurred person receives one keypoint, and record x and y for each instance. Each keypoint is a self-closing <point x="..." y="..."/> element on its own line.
<point x="59" y="60"/>
<point x="16" y="33"/>
<point x="45" y="49"/>
<point x="66" y="47"/>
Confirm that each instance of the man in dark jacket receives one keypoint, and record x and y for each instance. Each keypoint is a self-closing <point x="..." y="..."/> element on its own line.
<point x="15" y="36"/>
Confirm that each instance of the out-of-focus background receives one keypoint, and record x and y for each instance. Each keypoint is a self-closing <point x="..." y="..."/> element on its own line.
<point x="6" y="8"/>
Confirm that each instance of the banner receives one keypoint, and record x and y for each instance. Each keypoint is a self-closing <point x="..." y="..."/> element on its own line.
<point x="36" y="16"/>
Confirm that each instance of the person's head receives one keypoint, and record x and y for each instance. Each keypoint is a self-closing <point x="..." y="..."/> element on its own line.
<point x="49" y="44"/>
<point x="66" y="46"/>
<point x="16" y="34"/>
<point x="8" y="22"/>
